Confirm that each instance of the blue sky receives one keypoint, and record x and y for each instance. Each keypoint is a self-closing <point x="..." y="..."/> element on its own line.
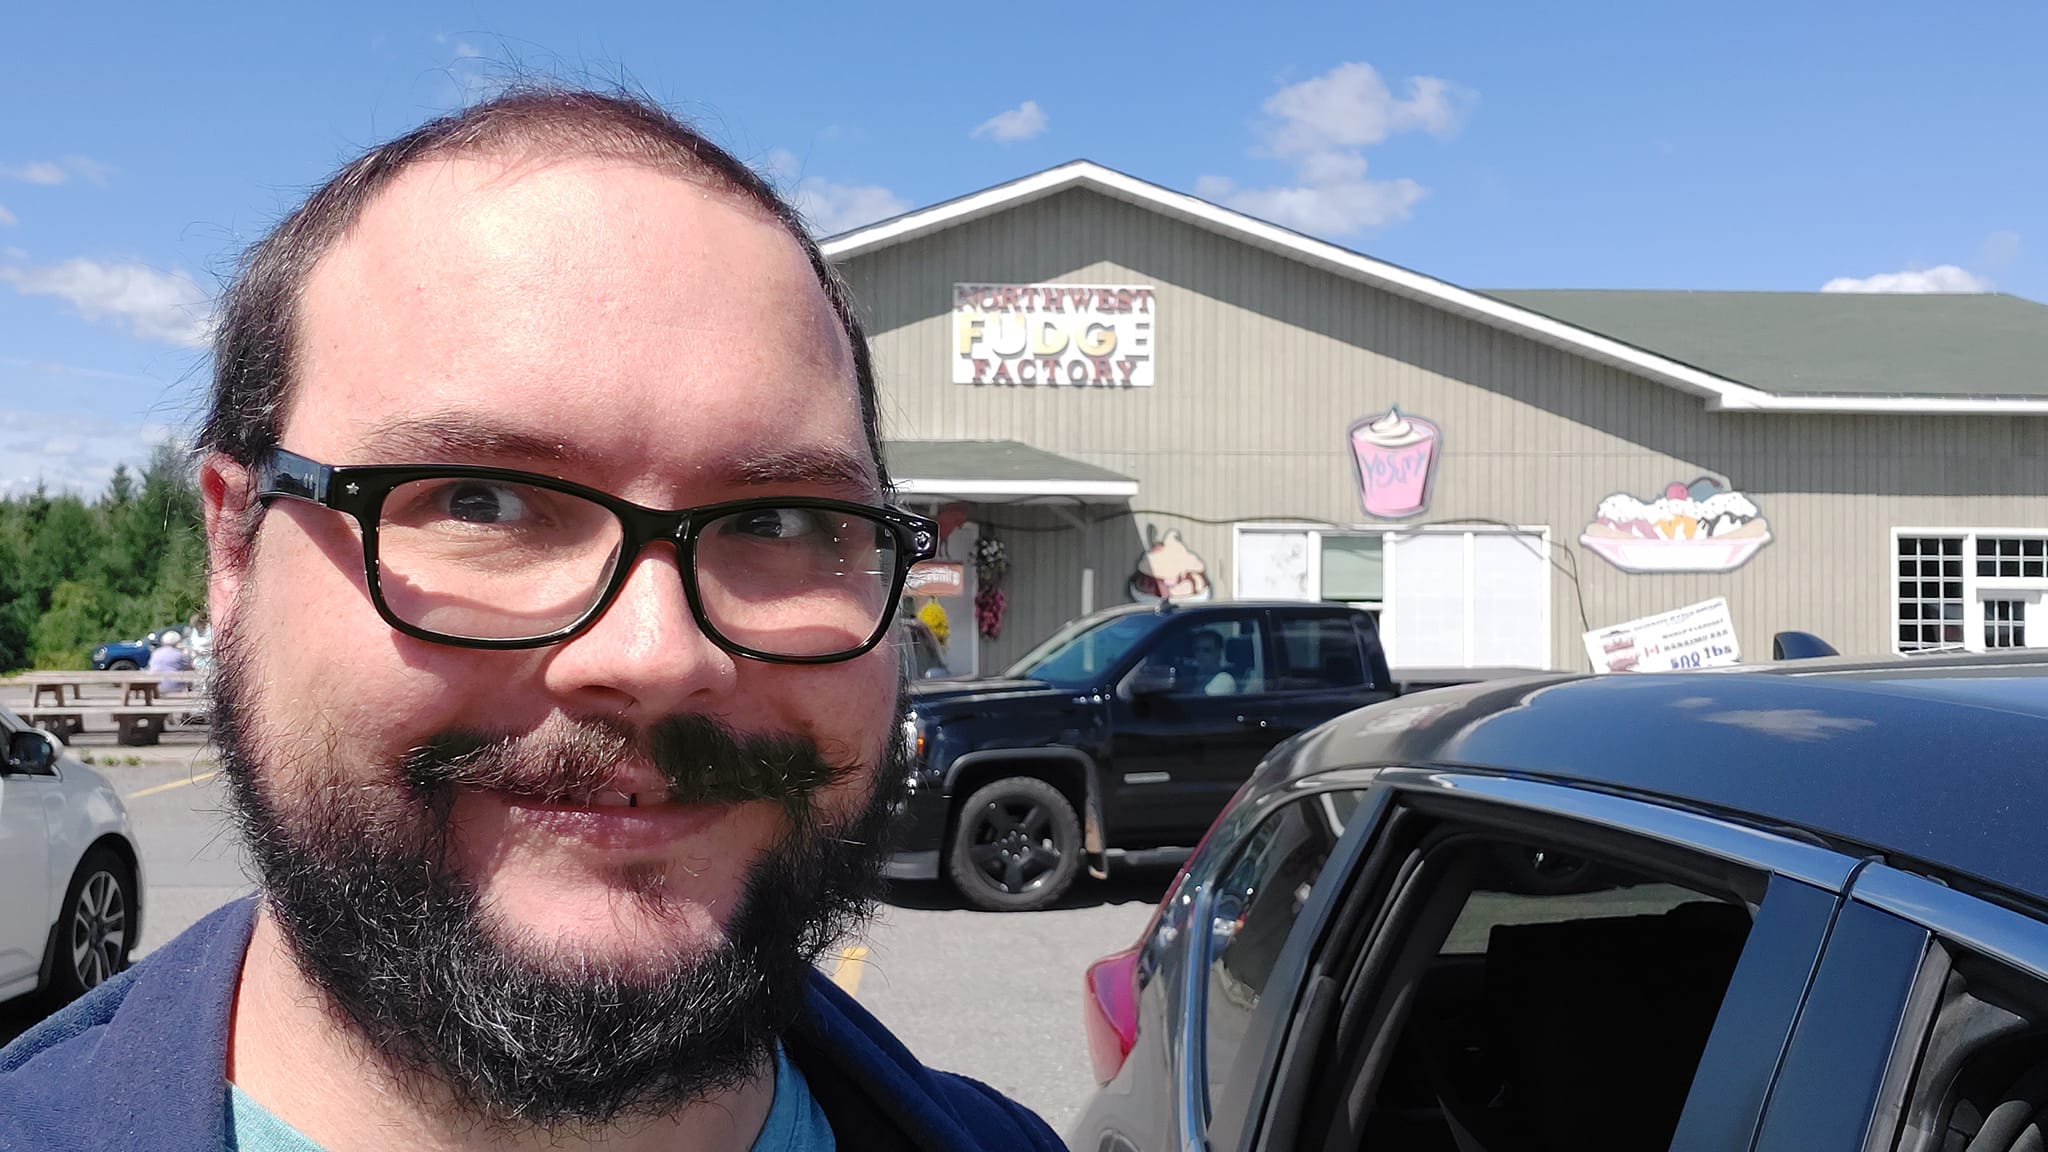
<point x="1737" y="145"/>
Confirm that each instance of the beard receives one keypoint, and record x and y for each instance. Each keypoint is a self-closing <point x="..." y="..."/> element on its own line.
<point x="522" y="1031"/>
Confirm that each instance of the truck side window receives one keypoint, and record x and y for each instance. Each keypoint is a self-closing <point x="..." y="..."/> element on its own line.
<point x="1215" y="656"/>
<point x="1320" y="653"/>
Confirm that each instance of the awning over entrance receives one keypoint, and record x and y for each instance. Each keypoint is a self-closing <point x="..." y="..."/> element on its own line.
<point x="999" y="471"/>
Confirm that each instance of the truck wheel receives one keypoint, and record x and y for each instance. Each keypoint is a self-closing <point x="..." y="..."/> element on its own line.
<point x="121" y="666"/>
<point x="1016" y="847"/>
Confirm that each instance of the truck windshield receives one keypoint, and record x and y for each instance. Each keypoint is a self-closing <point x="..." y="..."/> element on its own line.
<point x="1076" y="656"/>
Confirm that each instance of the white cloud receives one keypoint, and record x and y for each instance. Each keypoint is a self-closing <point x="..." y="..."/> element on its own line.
<point x="1350" y="107"/>
<point x="1020" y="123"/>
<point x="827" y="207"/>
<point x="8" y="219"/>
<point x="464" y="50"/>
<point x="1321" y="128"/>
<point x="165" y="306"/>
<point x="57" y="171"/>
<point x="70" y="451"/>
<point x="1940" y="278"/>
<point x="34" y="172"/>
<point x="1330" y="203"/>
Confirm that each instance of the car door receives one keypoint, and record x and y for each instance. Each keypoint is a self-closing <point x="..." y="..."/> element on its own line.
<point x="1468" y="991"/>
<point x="1321" y="670"/>
<point x="1181" y="747"/>
<point x="24" y="870"/>
<point x="1927" y="1026"/>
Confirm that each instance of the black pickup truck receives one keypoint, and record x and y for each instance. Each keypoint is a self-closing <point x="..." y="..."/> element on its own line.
<point x="1121" y="736"/>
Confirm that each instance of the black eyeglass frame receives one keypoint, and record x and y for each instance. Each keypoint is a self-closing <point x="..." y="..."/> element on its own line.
<point x="359" y="491"/>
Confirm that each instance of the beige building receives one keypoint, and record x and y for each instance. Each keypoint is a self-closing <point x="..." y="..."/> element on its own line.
<point x="1137" y="391"/>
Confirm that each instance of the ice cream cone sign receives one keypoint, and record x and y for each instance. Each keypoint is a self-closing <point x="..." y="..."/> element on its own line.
<point x="1169" y="570"/>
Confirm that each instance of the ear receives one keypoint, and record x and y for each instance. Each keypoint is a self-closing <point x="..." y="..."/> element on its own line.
<point x="227" y="496"/>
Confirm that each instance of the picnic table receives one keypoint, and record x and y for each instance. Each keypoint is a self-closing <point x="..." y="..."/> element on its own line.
<point x="140" y="717"/>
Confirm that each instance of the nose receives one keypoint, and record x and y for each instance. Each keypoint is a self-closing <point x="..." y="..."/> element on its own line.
<point x="646" y="657"/>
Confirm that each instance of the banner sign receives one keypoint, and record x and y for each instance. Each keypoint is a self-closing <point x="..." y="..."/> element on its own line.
<point x="1080" y="335"/>
<point x="1701" y="636"/>
<point x="936" y="578"/>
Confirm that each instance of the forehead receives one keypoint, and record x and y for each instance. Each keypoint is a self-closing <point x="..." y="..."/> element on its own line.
<point x="655" y="331"/>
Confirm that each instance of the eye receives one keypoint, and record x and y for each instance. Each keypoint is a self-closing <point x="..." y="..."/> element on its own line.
<point x="778" y="523"/>
<point x="483" y="502"/>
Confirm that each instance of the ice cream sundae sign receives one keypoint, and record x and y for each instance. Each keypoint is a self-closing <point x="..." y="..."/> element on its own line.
<point x="1169" y="570"/>
<point x="1703" y="526"/>
<point x="1394" y="456"/>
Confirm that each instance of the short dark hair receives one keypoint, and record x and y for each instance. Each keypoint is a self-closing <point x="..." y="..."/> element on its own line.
<point x="255" y="343"/>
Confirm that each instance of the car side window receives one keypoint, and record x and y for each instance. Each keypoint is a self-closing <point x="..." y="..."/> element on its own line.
<point x="1252" y="908"/>
<point x="1319" y="653"/>
<point x="1531" y="998"/>
<point x="1981" y="1070"/>
<point x="1216" y="655"/>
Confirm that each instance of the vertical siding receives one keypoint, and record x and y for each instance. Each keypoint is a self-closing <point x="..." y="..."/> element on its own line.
<point x="1262" y="362"/>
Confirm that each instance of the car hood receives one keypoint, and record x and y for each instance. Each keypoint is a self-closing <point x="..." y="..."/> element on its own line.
<point x="930" y="694"/>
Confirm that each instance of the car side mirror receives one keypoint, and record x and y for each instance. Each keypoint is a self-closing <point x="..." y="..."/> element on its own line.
<point x="1152" y="680"/>
<point x="1800" y="646"/>
<point x="30" y="753"/>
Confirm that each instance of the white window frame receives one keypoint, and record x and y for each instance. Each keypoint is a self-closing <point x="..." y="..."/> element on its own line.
<point x="1388" y="533"/>
<point x="1976" y="589"/>
<point x="1315" y="533"/>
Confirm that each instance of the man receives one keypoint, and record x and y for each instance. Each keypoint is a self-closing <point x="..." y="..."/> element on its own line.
<point x="169" y="656"/>
<point x="1215" y="680"/>
<point x="555" y="797"/>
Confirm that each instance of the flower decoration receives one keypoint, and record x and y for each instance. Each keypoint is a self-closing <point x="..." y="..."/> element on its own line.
<point x="991" y="563"/>
<point x="933" y="616"/>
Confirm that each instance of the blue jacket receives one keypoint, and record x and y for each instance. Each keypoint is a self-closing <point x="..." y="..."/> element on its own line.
<point x="140" y="1063"/>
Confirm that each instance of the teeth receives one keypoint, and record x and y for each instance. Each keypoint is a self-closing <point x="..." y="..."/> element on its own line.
<point x="614" y="799"/>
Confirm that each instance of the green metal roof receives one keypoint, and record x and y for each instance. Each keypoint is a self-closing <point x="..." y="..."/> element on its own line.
<point x="1825" y="343"/>
<point x="996" y="468"/>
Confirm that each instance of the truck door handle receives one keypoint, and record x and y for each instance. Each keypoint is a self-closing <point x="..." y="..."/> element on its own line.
<point x="1253" y="721"/>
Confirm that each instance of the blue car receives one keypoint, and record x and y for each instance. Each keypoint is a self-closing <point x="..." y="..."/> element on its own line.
<point x="128" y="655"/>
<point x="1801" y="907"/>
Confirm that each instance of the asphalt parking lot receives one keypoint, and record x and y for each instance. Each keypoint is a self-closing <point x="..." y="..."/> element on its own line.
<point x="996" y="997"/>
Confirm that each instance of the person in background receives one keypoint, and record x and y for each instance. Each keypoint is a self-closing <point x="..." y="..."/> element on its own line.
<point x="1209" y="671"/>
<point x="170" y="656"/>
<point x="199" y="643"/>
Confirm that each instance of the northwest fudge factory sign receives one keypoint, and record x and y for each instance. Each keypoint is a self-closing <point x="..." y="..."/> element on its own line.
<point x="1078" y="335"/>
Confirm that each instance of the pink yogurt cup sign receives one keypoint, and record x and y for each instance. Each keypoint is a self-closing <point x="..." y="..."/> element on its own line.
<point x="1396" y="455"/>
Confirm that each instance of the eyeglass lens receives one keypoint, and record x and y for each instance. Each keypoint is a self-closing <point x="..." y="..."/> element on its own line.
<point x="485" y="559"/>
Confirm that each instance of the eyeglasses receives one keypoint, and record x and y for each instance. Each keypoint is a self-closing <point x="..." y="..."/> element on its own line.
<point x="492" y="558"/>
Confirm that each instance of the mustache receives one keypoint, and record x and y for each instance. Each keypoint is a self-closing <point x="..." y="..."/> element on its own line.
<point x="567" y="760"/>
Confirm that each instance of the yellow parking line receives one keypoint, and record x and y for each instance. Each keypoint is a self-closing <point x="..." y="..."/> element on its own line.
<point x="852" y="959"/>
<point x="156" y="788"/>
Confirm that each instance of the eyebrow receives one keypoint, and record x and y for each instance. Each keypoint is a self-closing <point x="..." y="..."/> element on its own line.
<point x="448" y="438"/>
<point x="452" y="438"/>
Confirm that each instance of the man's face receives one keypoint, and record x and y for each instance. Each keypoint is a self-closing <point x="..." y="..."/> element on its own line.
<point x="1208" y="653"/>
<point x="628" y="330"/>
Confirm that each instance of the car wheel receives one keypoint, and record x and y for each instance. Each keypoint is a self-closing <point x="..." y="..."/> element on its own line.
<point x="121" y="666"/>
<point x="95" y="932"/>
<point x="1016" y="846"/>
